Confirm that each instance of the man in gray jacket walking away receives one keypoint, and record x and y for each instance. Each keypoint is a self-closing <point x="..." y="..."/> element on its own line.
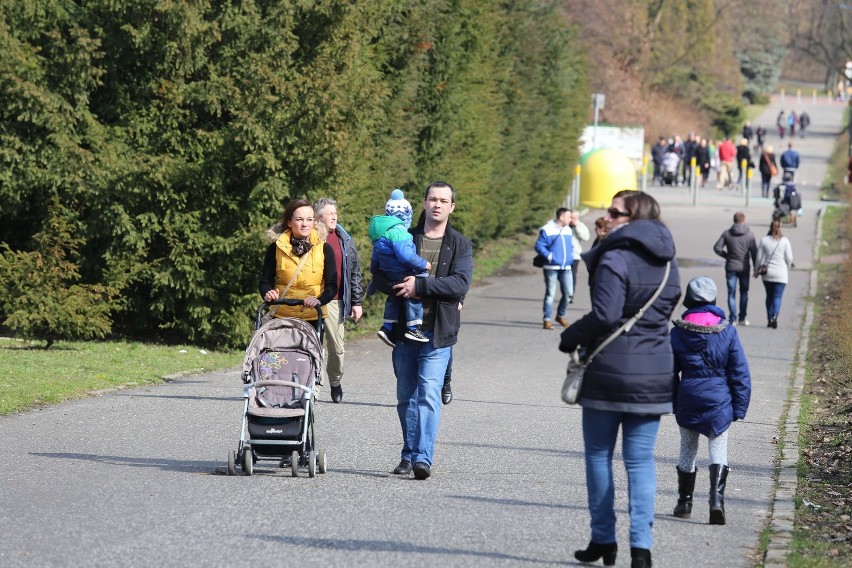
<point x="738" y="247"/>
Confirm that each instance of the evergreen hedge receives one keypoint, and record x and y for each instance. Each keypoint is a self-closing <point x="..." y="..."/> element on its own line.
<point x="173" y="133"/>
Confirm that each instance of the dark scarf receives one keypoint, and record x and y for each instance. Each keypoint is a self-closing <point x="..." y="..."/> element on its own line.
<point x="300" y="246"/>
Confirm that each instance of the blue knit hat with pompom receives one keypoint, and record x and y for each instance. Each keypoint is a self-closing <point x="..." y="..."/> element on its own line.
<point x="397" y="206"/>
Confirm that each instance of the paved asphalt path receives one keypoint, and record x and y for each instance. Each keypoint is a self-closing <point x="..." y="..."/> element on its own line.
<point x="136" y="477"/>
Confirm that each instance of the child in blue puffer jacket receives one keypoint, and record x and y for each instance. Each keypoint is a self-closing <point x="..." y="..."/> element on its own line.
<point x="712" y="389"/>
<point x="395" y="255"/>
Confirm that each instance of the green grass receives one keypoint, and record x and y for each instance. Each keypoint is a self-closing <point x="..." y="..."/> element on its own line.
<point x="31" y="376"/>
<point x="823" y="470"/>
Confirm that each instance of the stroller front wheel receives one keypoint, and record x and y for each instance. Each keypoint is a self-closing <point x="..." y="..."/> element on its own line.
<point x="232" y="462"/>
<point x="248" y="461"/>
<point x="322" y="461"/>
<point x="294" y="463"/>
<point x="312" y="464"/>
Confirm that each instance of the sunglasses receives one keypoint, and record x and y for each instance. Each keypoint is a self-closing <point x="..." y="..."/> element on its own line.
<point x="615" y="213"/>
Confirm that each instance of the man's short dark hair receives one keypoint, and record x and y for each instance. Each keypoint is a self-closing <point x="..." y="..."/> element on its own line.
<point x="560" y="212"/>
<point x="739" y="217"/>
<point x="440" y="184"/>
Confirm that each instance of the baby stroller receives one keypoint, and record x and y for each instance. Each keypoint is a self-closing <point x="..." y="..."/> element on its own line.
<point x="670" y="164"/>
<point x="788" y="202"/>
<point x="283" y="363"/>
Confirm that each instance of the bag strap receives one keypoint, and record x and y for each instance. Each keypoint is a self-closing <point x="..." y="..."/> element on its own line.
<point x="632" y="321"/>
<point x="292" y="279"/>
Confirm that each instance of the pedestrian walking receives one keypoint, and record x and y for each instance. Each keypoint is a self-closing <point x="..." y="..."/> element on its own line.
<point x="781" y="124"/>
<point x="727" y="155"/>
<point x="738" y="247"/>
<point x="790" y="160"/>
<point x="447" y="389"/>
<point x="774" y="259"/>
<point x="768" y="169"/>
<point x="804" y="122"/>
<point x="748" y="132"/>
<point x="657" y="153"/>
<point x="712" y="389"/>
<point x="761" y="136"/>
<point x="299" y="265"/>
<point x="703" y="159"/>
<point x="350" y="292"/>
<point x="554" y="244"/>
<point x="419" y="367"/>
<point x="579" y="234"/>
<point x="743" y="160"/>
<point x="601" y="229"/>
<point x="628" y="385"/>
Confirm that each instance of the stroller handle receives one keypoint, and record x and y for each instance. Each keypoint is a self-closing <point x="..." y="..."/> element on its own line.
<point x="288" y="302"/>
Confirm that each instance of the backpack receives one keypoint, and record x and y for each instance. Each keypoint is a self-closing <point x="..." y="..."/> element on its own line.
<point x="795" y="200"/>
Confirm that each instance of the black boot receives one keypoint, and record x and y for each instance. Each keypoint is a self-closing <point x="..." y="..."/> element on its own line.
<point x="685" y="487"/>
<point x="596" y="550"/>
<point x="640" y="558"/>
<point x="718" y="479"/>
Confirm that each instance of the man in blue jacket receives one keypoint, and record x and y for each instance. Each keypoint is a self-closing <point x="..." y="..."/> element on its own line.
<point x="419" y="367"/>
<point x="554" y="244"/>
<point x="790" y="160"/>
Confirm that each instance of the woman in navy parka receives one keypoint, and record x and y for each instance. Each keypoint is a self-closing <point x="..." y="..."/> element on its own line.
<point x="714" y="389"/>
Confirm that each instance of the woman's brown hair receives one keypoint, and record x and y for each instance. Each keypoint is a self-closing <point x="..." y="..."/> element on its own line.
<point x="775" y="229"/>
<point x="291" y="209"/>
<point x="639" y="204"/>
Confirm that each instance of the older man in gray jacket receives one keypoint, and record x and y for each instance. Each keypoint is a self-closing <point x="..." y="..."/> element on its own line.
<point x="738" y="247"/>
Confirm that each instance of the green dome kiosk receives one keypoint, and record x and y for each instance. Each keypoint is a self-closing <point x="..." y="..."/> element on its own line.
<point x="604" y="172"/>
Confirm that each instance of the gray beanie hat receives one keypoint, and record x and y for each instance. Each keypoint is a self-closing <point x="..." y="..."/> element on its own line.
<point x="700" y="290"/>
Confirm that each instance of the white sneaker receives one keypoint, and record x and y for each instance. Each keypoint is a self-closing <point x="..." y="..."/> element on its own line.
<point x="384" y="337"/>
<point x="744" y="322"/>
<point x="416" y="335"/>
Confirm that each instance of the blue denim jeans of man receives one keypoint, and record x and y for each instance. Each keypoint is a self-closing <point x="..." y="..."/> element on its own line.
<point x="639" y="435"/>
<point x="774" y="291"/>
<point x="419" y="369"/>
<point x="732" y="279"/>
<point x="566" y="286"/>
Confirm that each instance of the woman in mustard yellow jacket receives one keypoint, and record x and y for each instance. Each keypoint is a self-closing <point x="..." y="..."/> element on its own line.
<point x="299" y="265"/>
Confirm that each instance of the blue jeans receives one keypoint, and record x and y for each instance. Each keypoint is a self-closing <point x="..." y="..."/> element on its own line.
<point x="774" y="291"/>
<point x="732" y="278"/>
<point x="419" y="369"/>
<point x="639" y="433"/>
<point x="566" y="285"/>
<point x="413" y="311"/>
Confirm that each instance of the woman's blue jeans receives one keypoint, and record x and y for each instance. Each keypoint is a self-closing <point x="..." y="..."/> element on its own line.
<point x="774" y="291"/>
<point x="419" y="369"/>
<point x="639" y="435"/>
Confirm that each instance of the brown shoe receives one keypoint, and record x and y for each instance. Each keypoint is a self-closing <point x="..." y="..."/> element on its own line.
<point x="548" y="324"/>
<point x="563" y="322"/>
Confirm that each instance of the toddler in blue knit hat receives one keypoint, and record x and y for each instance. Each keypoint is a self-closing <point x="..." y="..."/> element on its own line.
<point x="395" y="255"/>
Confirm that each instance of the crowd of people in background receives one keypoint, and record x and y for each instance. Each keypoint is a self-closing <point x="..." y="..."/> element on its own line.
<point x="676" y="160"/>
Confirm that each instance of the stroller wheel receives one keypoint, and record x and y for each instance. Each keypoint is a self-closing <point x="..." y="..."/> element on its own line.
<point x="312" y="464"/>
<point x="294" y="463"/>
<point x="232" y="467"/>
<point x="322" y="461"/>
<point x="248" y="461"/>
